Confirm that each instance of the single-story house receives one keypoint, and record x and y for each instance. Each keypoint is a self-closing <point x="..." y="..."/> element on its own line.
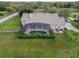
<point x="42" y="23"/>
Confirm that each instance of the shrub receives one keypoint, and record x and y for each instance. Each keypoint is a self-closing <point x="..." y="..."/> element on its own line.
<point x="25" y="10"/>
<point x="52" y="10"/>
<point x="25" y="36"/>
<point x="11" y="10"/>
<point x="1" y="14"/>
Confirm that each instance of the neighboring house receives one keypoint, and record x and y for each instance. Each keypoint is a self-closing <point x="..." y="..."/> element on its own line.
<point x="42" y="23"/>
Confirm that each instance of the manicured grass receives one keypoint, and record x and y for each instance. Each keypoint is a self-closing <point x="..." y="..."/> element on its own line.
<point x="72" y="18"/>
<point x="74" y="14"/>
<point x="62" y="46"/>
<point x="4" y="14"/>
<point x="13" y="23"/>
<point x="72" y="35"/>
<point x="75" y="24"/>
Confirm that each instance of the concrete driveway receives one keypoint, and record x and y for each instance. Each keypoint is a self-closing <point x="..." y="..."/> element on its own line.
<point x="71" y="27"/>
<point x="8" y="17"/>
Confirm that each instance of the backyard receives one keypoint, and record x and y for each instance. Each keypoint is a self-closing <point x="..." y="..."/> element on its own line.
<point x="61" y="46"/>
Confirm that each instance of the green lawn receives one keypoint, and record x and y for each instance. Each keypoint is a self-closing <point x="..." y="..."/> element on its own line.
<point x="73" y="35"/>
<point x="75" y="24"/>
<point x="74" y="14"/>
<point x="62" y="46"/>
<point x="13" y="23"/>
<point x="72" y="18"/>
<point x="4" y="14"/>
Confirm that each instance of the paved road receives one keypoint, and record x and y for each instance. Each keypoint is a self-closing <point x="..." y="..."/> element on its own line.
<point x="8" y="17"/>
<point x="71" y="27"/>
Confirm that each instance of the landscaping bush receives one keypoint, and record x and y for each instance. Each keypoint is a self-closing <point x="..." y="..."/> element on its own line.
<point x="1" y="14"/>
<point x="25" y="10"/>
<point x="52" y="10"/>
<point x="25" y="36"/>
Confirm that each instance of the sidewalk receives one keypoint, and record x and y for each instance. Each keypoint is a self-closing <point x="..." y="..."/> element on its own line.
<point x="8" y="17"/>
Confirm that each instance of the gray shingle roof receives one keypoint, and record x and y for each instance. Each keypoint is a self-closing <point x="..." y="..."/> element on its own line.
<point x="48" y="18"/>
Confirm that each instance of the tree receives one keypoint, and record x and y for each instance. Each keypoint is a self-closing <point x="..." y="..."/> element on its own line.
<point x="10" y="9"/>
<point x="25" y="10"/>
<point x="2" y="6"/>
<point x="67" y="5"/>
<point x="65" y="14"/>
<point x="52" y="10"/>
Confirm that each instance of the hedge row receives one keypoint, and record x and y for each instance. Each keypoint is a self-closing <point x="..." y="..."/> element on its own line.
<point x="24" y="36"/>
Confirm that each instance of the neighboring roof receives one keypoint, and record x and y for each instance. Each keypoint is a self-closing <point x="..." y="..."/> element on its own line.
<point x="52" y="19"/>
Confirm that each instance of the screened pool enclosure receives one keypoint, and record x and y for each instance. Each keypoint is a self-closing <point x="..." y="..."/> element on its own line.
<point x="37" y="29"/>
